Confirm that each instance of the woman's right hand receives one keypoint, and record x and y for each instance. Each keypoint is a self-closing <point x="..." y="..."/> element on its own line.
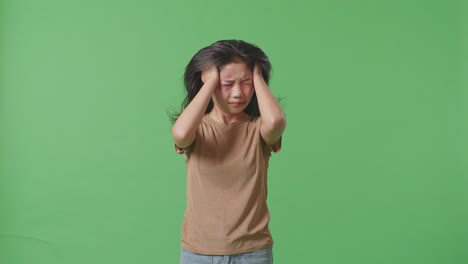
<point x="210" y="75"/>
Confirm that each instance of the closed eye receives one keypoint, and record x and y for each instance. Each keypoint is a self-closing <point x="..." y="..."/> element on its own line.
<point x="247" y="80"/>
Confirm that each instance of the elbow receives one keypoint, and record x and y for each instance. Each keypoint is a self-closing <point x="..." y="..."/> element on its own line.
<point x="281" y="122"/>
<point x="181" y="137"/>
<point x="277" y="123"/>
<point x="178" y="134"/>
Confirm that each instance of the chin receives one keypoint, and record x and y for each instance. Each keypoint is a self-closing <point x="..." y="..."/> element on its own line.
<point x="235" y="112"/>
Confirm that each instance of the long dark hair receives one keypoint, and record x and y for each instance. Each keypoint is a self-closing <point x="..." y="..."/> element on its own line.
<point x="218" y="54"/>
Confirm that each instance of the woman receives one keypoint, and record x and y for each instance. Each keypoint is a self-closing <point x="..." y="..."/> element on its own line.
<point x="229" y="125"/>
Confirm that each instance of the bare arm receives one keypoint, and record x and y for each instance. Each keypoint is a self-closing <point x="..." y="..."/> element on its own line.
<point x="184" y="129"/>
<point x="273" y="119"/>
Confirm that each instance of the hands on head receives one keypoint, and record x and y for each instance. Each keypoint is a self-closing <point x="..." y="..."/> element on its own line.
<point x="210" y="75"/>
<point x="257" y="72"/>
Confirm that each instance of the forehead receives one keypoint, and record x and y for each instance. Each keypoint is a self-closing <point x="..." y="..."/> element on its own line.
<point x="235" y="69"/>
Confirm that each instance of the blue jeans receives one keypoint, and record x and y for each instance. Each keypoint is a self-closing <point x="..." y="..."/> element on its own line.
<point x="261" y="256"/>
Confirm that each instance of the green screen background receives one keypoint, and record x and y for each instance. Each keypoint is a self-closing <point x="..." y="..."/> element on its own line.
<point x="374" y="161"/>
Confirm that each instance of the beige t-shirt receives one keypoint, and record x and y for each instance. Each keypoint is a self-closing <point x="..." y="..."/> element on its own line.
<point x="226" y="209"/>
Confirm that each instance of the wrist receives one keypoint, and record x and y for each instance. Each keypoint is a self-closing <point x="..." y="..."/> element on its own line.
<point x="258" y="79"/>
<point x="212" y="83"/>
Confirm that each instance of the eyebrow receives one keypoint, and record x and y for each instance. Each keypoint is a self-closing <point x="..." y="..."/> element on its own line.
<point x="230" y="80"/>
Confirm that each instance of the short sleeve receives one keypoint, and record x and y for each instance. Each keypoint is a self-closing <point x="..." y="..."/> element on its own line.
<point x="276" y="147"/>
<point x="180" y="150"/>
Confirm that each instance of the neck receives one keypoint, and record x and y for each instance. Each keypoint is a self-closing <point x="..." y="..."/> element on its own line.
<point x="226" y="118"/>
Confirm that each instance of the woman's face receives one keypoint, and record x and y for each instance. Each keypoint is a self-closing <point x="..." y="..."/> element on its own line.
<point x="236" y="88"/>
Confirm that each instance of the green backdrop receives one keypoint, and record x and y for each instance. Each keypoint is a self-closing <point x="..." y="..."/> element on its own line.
<point x="374" y="161"/>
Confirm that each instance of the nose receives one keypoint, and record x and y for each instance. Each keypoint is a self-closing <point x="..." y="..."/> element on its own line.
<point x="236" y="91"/>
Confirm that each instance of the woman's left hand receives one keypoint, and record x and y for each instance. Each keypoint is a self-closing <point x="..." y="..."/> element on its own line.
<point x="258" y="76"/>
<point x="257" y="72"/>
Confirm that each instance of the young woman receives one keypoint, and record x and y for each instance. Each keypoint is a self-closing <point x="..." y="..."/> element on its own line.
<point x="229" y="125"/>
